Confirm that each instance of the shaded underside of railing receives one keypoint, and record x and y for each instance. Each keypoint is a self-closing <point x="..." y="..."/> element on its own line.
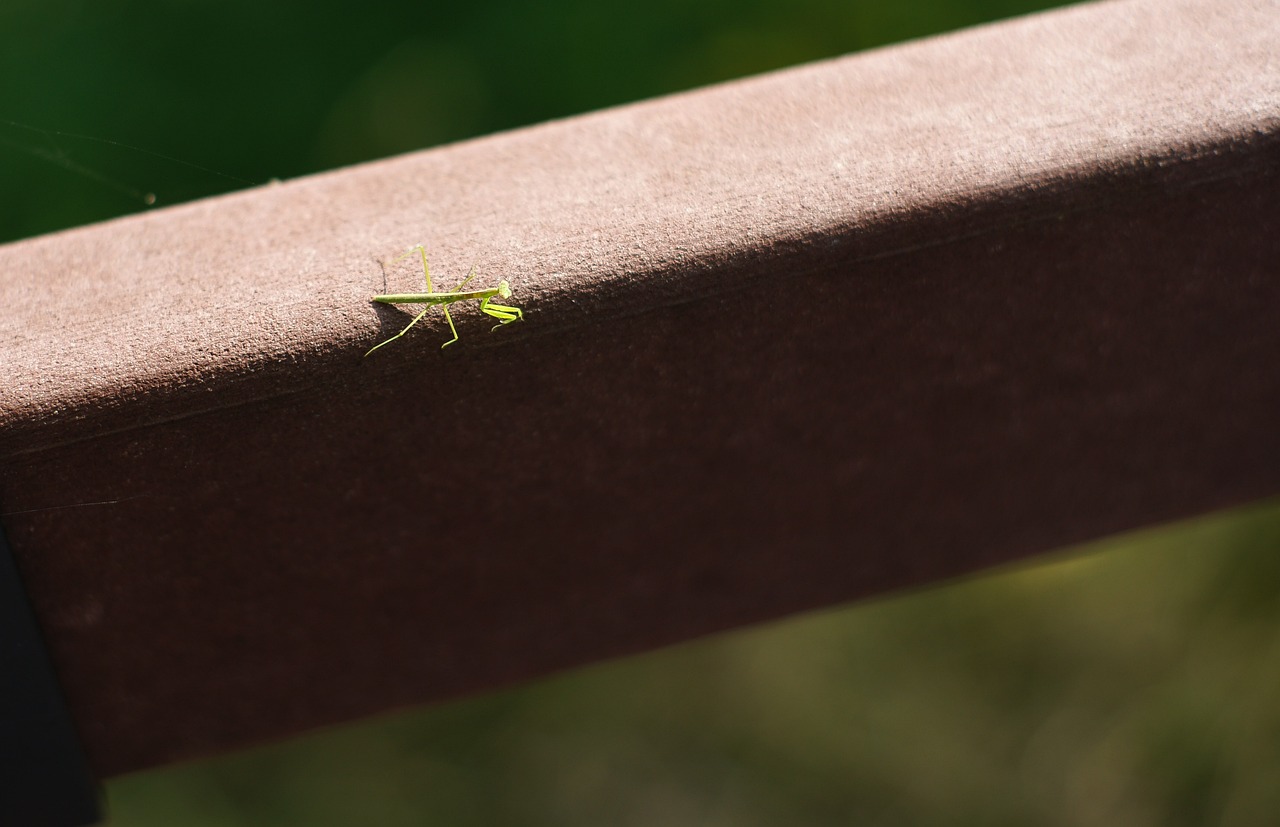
<point x="789" y="341"/>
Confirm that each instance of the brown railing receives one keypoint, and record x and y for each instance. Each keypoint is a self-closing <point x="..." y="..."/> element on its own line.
<point x="788" y="342"/>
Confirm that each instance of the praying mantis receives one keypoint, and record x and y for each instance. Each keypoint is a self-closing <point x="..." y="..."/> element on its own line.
<point x="505" y="314"/>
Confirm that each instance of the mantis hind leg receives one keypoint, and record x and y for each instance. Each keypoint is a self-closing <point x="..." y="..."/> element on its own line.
<point x="426" y="271"/>
<point x="416" y="319"/>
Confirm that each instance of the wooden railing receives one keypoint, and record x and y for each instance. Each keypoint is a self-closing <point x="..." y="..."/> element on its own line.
<point x="787" y="342"/>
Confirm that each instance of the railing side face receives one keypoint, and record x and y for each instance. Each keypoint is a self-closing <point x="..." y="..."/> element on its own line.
<point x="789" y="342"/>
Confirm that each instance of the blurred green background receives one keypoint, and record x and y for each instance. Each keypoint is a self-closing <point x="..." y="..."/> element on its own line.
<point x="1133" y="683"/>
<point x="259" y="90"/>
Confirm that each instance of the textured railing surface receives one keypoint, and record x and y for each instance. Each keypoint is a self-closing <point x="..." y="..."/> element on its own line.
<point x="789" y="341"/>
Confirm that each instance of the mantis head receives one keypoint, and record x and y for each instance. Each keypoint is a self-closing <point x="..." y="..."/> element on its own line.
<point x="504" y="289"/>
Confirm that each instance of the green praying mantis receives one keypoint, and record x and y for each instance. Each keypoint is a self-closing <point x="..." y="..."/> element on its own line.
<point x="505" y="314"/>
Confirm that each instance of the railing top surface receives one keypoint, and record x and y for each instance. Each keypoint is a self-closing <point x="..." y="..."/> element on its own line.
<point x="623" y="210"/>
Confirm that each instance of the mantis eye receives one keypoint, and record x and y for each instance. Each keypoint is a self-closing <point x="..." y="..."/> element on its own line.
<point x="504" y="289"/>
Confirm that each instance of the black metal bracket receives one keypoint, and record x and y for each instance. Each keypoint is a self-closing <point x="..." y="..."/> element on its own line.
<point x="44" y="777"/>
